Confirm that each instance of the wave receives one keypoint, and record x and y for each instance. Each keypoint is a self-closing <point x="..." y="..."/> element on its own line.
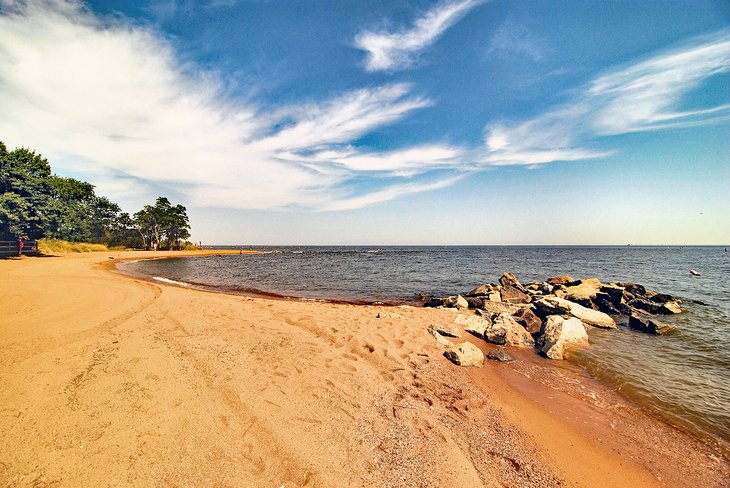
<point x="171" y="282"/>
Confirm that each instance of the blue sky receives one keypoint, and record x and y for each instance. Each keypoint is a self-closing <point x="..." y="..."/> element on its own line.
<point x="385" y="122"/>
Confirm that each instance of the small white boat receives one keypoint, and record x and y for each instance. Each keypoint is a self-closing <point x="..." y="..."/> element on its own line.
<point x="694" y="272"/>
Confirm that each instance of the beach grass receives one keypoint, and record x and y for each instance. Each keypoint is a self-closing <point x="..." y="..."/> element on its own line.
<point x="49" y="246"/>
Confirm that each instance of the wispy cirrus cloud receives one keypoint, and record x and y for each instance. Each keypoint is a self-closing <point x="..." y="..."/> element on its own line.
<point x="111" y="100"/>
<point x="512" y="39"/>
<point x="647" y="95"/>
<point x="390" y="51"/>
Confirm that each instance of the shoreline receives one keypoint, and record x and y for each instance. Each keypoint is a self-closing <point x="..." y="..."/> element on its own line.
<point x="344" y="382"/>
<point x="577" y="366"/>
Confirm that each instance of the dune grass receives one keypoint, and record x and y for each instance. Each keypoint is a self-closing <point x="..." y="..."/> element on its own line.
<point x="49" y="246"/>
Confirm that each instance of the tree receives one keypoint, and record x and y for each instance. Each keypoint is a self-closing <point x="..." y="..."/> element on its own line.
<point x="26" y="208"/>
<point x="162" y="223"/>
<point x="34" y="203"/>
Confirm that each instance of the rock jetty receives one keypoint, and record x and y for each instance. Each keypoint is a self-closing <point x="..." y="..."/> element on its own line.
<point x="555" y="314"/>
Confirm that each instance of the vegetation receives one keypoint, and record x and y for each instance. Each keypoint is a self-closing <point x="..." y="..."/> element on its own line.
<point x="34" y="204"/>
<point x="50" y="246"/>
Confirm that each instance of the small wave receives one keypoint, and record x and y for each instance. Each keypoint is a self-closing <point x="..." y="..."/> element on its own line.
<point x="171" y="282"/>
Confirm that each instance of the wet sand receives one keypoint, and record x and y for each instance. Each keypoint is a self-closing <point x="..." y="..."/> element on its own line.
<point x="110" y="380"/>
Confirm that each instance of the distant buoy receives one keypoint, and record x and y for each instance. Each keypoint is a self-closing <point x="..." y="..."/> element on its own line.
<point x="694" y="272"/>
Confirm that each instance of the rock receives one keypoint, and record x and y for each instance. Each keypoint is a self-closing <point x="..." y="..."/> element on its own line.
<point x="648" y="324"/>
<point x="500" y="354"/>
<point x="465" y="354"/>
<point x="510" y="294"/>
<point x="388" y="315"/>
<point x="670" y="308"/>
<point x="560" y="333"/>
<point x="474" y="302"/>
<point x="483" y="290"/>
<point x="450" y="330"/>
<point x="633" y="288"/>
<point x="494" y="296"/>
<point x="560" y="280"/>
<point x="456" y="301"/>
<point x="551" y="306"/>
<point x="439" y="338"/>
<point x="527" y="319"/>
<point x="546" y="288"/>
<point x="602" y="301"/>
<point x="477" y="326"/>
<point x="508" y="279"/>
<point x="664" y="298"/>
<point x="506" y="331"/>
<point x="616" y="293"/>
<point x="496" y="307"/>
<point x="560" y="306"/>
<point x="433" y="302"/>
<point x="584" y="292"/>
<point x="645" y="305"/>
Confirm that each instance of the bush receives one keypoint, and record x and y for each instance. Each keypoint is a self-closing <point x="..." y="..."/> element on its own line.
<point x="47" y="246"/>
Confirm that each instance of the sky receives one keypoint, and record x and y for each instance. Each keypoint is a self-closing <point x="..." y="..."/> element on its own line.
<point x="385" y="122"/>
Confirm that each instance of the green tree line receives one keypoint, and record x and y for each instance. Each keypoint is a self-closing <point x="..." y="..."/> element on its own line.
<point x="35" y="203"/>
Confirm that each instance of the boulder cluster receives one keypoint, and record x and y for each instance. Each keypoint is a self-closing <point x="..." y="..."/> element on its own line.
<point x="552" y="315"/>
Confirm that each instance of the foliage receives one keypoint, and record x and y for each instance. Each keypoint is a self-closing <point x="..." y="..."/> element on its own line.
<point x="47" y="246"/>
<point x="26" y="209"/>
<point x="35" y="203"/>
<point x="162" y="224"/>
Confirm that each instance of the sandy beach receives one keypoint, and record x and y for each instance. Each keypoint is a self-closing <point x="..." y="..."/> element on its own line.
<point x="112" y="380"/>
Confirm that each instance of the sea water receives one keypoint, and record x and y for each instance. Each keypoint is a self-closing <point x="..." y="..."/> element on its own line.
<point x="684" y="377"/>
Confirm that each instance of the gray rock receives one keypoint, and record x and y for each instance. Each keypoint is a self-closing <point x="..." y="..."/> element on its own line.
<point x="465" y="354"/>
<point x="616" y="293"/>
<point x="433" y="302"/>
<point x="603" y="302"/>
<point x="648" y="324"/>
<point x="645" y="305"/>
<point x="500" y="354"/>
<point x="664" y="298"/>
<point x="633" y="288"/>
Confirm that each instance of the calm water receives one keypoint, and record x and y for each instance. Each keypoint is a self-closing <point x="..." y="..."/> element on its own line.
<point x="684" y="377"/>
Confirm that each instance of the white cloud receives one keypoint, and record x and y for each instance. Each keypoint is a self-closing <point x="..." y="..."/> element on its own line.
<point x="640" y="97"/>
<point x="101" y="97"/>
<point x="647" y="95"/>
<point x="390" y="193"/>
<point x="396" y="50"/>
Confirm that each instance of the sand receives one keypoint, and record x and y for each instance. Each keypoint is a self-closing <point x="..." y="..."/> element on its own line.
<point x="110" y="380"/>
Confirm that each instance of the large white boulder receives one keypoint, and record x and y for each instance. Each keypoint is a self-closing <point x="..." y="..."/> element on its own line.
<point x="560" y="333"/>
<point x="561" y="306"/>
